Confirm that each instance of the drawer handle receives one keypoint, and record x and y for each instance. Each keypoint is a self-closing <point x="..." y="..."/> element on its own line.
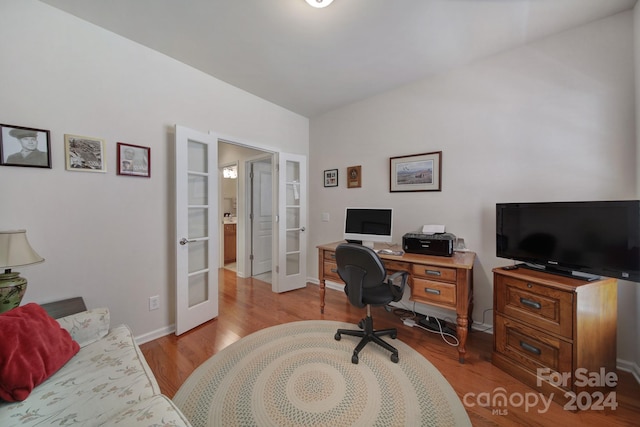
<point x="530" y="303"/>
<point x="333" y="255"/>
<point x="530" y="348"/>
<point x="334" y="270"/>
<point x="433" y="272"/>
<point x="432" y="291"/>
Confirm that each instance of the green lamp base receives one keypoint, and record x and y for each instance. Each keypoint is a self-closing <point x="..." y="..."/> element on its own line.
<point x="12" y="289"/>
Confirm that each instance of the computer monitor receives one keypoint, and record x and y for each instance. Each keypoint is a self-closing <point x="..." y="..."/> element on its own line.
<point x="368" y="225"/>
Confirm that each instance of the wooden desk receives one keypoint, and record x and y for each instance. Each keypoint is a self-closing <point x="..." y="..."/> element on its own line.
<point x="434" y="280"/>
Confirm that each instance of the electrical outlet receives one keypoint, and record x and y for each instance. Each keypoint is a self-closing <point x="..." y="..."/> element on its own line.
<point x="154" y="302"/>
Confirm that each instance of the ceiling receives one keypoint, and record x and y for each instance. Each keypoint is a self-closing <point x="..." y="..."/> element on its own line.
<point x="311" y="61"/>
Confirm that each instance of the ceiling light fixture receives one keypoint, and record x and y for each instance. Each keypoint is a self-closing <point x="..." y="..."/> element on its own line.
<point x="230" y="172"/>
<point x="319" y="3"/>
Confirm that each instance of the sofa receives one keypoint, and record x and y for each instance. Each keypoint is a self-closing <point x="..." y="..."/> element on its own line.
<point x="106" y="380"/>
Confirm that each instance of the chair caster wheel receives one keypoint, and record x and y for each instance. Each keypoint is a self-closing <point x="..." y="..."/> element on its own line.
<point x="393" y="336"/>
<point x="354" y="359"/>
<point x="361" y="324"/>
<point x="395" y="358"/>
<point x="337" y="336"/>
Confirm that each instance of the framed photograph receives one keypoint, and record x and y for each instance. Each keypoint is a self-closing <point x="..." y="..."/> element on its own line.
<point x="134" y="160"/>
<point x="354" y="176"/>
<point x="84" y="153"/>
<point x="331" y="178"/>
<point x="20" y="146"/>
<point x="418" y="172"/>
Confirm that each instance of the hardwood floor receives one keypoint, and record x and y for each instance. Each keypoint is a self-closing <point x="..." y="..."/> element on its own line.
<point x="248" y="305"/>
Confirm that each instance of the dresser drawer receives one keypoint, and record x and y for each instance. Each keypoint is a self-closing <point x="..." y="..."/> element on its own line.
<point x="330" y="270"/>
<point x="433" y="272"/>
<point x="432" y="292"/>
<point x="547" y="308"/>
<point x="531" y="348"/>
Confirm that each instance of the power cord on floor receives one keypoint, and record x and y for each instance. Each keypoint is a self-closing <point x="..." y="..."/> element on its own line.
<point x="445" y="336"/>
<point x="409" y="316"/>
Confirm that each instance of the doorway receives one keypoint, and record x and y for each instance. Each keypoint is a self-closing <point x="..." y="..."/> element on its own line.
<point x="247" y="199"/>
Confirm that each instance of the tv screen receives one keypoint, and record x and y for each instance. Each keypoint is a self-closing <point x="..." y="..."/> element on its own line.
<point x="368" y="225"/>
<point x="600" y="238"/>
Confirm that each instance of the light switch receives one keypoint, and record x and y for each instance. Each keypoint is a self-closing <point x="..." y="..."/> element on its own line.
<point x="325" y="216"/>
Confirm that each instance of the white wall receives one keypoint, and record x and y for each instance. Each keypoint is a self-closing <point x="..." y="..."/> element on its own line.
<point x="105" y="237"/>
<point x="550" y="121"/>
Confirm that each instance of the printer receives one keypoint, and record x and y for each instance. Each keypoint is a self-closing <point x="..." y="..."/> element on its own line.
<point x="440" y="244"/>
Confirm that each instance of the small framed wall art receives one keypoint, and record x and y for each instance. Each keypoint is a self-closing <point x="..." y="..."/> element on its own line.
<point x="354" y="177"/>
<point x="21" y="146"/>
<point x="331" y="178"/>
<point x="84" y="153"/>
<point x="417" y="172"/>
<point x="134" y="160"/>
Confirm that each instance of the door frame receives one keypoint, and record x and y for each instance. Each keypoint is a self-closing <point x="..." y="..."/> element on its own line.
<point x="243" y="237"/>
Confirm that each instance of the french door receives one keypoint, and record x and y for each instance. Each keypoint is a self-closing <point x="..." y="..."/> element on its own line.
<point x="292" y="219"/>
<point x="197" y="233"/>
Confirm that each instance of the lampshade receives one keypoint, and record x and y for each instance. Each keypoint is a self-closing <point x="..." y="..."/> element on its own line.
<point x="319" y="3"/>
<point x="15" y="249"/>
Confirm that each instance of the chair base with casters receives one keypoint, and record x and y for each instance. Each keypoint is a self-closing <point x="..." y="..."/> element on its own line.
<point x="369" y="335"/>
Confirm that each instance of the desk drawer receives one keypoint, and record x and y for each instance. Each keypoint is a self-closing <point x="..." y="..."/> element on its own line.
<point x="530" y="347"/>
<point x="433" y="272"/>
<point x="396" y="265"/>
<point x="429" y="291"/>
<point x="330" y="270"/>
<point x="330" y="255"/>
<point x="547" y="308"/>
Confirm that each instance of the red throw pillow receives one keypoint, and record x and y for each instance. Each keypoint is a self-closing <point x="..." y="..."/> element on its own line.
<point x="33" y="347"/>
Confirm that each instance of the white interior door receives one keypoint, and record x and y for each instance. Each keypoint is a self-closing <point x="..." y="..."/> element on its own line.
<point x="261" y="216"/>
<point x="197" y="235"/>
<point x="292" y="211"/>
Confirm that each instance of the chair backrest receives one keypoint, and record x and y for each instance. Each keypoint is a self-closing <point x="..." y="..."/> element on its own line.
<point x="359" y="267"/>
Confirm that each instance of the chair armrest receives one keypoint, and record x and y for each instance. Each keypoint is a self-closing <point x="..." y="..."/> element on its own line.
<point x="396" y="290"/>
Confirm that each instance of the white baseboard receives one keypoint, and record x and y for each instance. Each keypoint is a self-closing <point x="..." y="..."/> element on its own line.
<point x="158" y="333"/>
<point x="633" y="368"/>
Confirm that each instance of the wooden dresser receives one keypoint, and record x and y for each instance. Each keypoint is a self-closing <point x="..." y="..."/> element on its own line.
<point x="435" y="280"/>
<point x="556" y="324"/>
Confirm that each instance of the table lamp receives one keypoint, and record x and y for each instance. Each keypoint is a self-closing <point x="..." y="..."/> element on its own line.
<point x="14" y="252"/>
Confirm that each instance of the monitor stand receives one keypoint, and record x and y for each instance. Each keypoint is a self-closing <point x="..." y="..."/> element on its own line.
<point x="366" y="243"/>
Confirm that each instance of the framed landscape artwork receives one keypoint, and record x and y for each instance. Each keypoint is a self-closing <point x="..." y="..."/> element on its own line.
<point x="417" y="172"/>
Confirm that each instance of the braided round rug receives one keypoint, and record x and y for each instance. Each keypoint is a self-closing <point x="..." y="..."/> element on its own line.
<point x="297" y="374"/>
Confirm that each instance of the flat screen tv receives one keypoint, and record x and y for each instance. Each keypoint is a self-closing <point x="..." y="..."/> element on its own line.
<point x="581" y="239"/>
<point x="368" y="225"/>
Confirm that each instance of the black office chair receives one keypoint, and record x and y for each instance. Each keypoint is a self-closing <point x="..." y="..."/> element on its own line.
<point x="366" y="284"/>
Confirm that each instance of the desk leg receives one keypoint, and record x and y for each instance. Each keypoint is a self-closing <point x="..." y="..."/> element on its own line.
<point x="462" y="329"/>
<point x="322" y="291"/>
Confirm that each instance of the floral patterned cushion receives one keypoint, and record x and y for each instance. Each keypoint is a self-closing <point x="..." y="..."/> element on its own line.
<point x="88" y="326"/>
<point x="155" y="412"/>
<point x="108" y="380"/>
